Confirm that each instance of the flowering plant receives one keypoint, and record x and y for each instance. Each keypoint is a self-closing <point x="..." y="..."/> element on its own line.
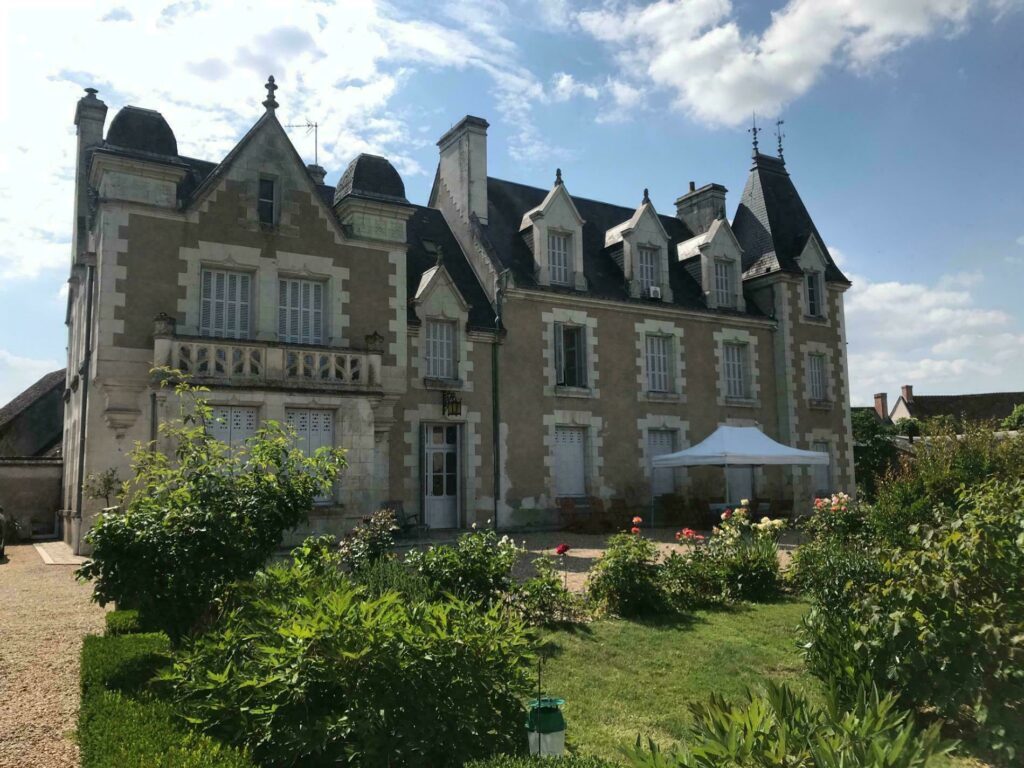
<point x="561" y="549"/>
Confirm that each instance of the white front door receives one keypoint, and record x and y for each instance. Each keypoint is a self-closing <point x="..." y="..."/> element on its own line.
<point x="569" y="462"/>
<point x="441" y="475"/>
<point x="740" y="481"/>
<point x="314" y="429"/>
<point x="660" y="442"/>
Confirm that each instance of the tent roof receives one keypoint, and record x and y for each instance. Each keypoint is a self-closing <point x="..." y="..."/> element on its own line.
<point x="739" y="446"/>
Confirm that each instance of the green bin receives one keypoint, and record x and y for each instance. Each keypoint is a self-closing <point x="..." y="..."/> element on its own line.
<point x="545" y="727"/>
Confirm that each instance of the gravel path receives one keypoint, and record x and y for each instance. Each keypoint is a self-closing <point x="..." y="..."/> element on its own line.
<point x="44" y="613"/>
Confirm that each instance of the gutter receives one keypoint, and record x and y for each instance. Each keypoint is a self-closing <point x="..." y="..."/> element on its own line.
<point x="83" y="372"/>
<point x="495" y="393"/>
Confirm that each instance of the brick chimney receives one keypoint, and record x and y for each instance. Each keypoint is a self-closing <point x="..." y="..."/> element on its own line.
<point x="907" y="390"/>
<point x="882" y="405"/>
<point x="699" y="208"/>
<point x="463" y="167"/>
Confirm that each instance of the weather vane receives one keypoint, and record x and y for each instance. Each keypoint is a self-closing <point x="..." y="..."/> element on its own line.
<point x="780" y="136"/>
<point x="753" y="129"/>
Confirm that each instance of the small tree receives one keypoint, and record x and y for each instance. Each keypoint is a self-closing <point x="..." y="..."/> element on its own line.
<point x="103" y="485"/>
<point x="196" y="520"/>
<point x="1015" y="421"/>
<point x="873" y="450"/>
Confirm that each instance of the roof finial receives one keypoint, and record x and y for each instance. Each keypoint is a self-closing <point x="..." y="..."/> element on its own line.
<point x="754" y="130"/>
<point x="780" y="136"/>
<point x="270" y="102"/>
<point x="558" y="177"/>
<point x="647" y="196"/>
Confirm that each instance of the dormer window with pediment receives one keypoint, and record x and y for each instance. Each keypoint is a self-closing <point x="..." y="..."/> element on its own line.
<point x="440" y="355"/>
<point x="721" y="260"/>
<point x="644" y="252"/>
<point x="814" y="262"/>
<point x="555" y="231"/>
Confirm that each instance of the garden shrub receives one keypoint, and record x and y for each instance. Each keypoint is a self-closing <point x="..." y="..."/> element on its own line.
<point x="874" y="451"/>
<point x="123" y="622"/>
<point x="942" y="623"/>
<point x="392" y="575"/>
<point x="201" y="518"/>
<point x="833" y="573"/>
<point x="779" y="727"/>
<point x="568" y="761"/>
<point x="317" y="674"/>
<point x="693" y="580"/>
<point x="625" y="580"/>
<point x="122" y="662"/>
<point x="478" y="567"/>
<point x="1015" y="421"/>
<point x="543" y="600"/>
<point x="367" y="543"/>
<point x="317" y="556"/>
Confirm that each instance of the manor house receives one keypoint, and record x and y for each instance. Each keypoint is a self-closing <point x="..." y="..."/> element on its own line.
<point x="489" y="354"/>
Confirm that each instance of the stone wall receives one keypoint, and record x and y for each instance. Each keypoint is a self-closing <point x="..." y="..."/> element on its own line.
<point x="30" y="491"/>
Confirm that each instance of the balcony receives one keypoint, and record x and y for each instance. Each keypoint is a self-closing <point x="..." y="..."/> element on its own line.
<point x="234" y="363"/>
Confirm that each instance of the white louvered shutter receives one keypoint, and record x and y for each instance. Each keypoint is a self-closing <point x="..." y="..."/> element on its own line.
<point x="300" y="311"/>
<point x="658" y="379"/>
<point x="660" y="442"/>
<point x="224" y="304"/>
<point x="559" y="333"/>
<point x="569" y="461"/>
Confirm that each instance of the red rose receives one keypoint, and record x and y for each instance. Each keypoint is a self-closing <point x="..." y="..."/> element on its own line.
<point x="679" y="535"/>
<point x="634" y="529"/>
<point x="561" y="549"/>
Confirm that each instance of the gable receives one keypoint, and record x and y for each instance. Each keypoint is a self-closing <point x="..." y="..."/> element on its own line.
<point x="438" y="296"/>
<point x="558" y="210"/>
<point x="813" y="255"/>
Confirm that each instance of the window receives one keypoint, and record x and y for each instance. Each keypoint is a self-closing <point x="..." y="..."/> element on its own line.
<point x="232" y="425"/>
<point x="736" y="371"/>
<point x="647" y="269"/>
<point x="300" y="311"/>
<point x="816" y="376"/>
<point x="724" y="296"/>
<point x="660" y="442"/>
<point x="814" y="294"/>
<point x="822" y="472"/>
<point x="570" y="355"/>
<point x="558" y="257"/>
<point x="440" y="349"/>
<point x="224" y="310"/>
<point x="314" y="429"/>
<point x="265" y="203"/>
<point x="569" y="462"/>
<point x="658" y="354"/>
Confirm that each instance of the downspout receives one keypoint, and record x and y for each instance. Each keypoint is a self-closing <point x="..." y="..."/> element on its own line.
<point x="83" y="373"/>
<point x="495" y="402"/>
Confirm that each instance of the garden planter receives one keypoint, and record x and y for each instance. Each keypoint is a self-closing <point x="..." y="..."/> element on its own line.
<point x="545" y="727"/>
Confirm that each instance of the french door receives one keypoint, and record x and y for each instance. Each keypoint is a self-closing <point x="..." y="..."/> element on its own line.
<point x="441" y="475"/>
<point x="314" y="428"/>
<point x="569" y="462"/>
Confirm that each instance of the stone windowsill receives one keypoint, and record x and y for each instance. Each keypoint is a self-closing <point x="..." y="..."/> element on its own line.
<point x="821" y="405"/>
<point x="563" y="391"/>
<point x="662" y="397"/>
<point x="817" y="319"/>
<point x="433" y="383"/>
<point x="742" y="402"/>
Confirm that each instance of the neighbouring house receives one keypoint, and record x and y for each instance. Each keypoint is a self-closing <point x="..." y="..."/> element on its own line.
<point x="985" y="407"/>
<point x="879" y="411"/>
<point x="31" y="429"/>
<point x="491" y="353"/>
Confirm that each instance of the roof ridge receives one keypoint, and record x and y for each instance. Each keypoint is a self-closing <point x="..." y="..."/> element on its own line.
<point x="580" y="197"/>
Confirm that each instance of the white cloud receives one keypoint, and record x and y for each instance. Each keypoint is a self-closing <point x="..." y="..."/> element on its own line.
<point x="935" y="336"/>
<point x="719" y="73"/>
<point x="19" y="373"/>
<point x="564" y="87"/>
<point x="1020" y="240"/>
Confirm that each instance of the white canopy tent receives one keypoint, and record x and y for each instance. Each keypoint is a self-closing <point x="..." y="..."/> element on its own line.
<point x="738" y="446"/>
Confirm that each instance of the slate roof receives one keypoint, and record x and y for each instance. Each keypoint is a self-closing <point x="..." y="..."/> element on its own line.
<point x="141" y="129"/>
<point x="371" y="176"/>
<point x="870" y="409"/>
<point x="772" y="223"/>
<point x="507" y="201"/>
<point x="984" y="407"/>
<point x="427" y="228"/>
<point x="20" y="403"/>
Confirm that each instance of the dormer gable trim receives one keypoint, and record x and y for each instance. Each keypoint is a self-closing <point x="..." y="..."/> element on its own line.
<point x="436" y="278"/>
<point x="536" y="213"/>
<point x="616" y="234"/>
<point x="814" y="255"/>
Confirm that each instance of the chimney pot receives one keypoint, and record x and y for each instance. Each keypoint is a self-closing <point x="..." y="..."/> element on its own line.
<point x="693" y="186"/>
<point x="882" y="405"/>
<point x="907" y="391"/>
<point x="317" y="172"/>
<point x="700" y="208"/>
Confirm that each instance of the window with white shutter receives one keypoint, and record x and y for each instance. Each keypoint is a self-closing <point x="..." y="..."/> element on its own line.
<point x="736" y="374"/>
<point x="440" y="349"/>
<point x="647" y="269"/>
<point x="314" y="428"/>
<point x="658" y="356"/>
<point x="816" y="375"/>
<point x="570" y="355"/>
<point x="558" y="257"/>
<point x="724" y="294"/>
<point x="232" y="424"/>
<point x="660" y="442"/>
<point x="300" y="312"/>
<point x="224" y="304"/>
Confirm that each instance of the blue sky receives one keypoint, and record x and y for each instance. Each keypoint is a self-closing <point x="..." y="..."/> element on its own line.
<point x="902" y="120"/>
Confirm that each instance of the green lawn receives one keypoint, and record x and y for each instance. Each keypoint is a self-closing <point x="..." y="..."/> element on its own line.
<point x="621" y="678"/>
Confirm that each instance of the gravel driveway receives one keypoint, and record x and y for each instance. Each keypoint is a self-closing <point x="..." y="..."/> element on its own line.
<point x="44" y="613"/>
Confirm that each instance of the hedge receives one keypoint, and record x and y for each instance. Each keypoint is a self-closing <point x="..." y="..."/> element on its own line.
<point x="122" y="725"/>
<point x="508" y="761"/>
<point x="123" y="622"/>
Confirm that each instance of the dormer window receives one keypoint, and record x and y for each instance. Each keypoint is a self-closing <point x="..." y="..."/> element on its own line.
<point x="647" y="269"/>
<point x="266" y="202"/>
<point x="814" y="303"/>
<point x="724" y="294"/>
<point x="559" y="244"/>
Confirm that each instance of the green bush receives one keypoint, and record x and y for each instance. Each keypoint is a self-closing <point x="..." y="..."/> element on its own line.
<point x="751" y="566"/>
<point x="478" y="567"/>
<point x="625" y="580"/>
<point x="942" y="623"/>
<point x="693" y="580"/>
<point x="569" y="761"/>
<point x="392" y="575"/>
<point x="833" y="573"/>
<point x="199" y="519"/>
<point x="1015" y="420"/>
<point x="311" y="673"/>
<point x="367" y="543"/>
<point x="123" y="662"/>
<point x="543" y="600"/>
<point x="780" y="727"/>
<point x="123" y="622"/>
<point x="115" y="731"/>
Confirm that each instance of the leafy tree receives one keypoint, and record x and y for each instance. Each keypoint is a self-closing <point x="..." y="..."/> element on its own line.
<point x="909" y="427"/>
<point x="1015" y="420"/>
<point x="103" y="485"/>
<point x="874" y="451"/>
<point x="202" y="517"/>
